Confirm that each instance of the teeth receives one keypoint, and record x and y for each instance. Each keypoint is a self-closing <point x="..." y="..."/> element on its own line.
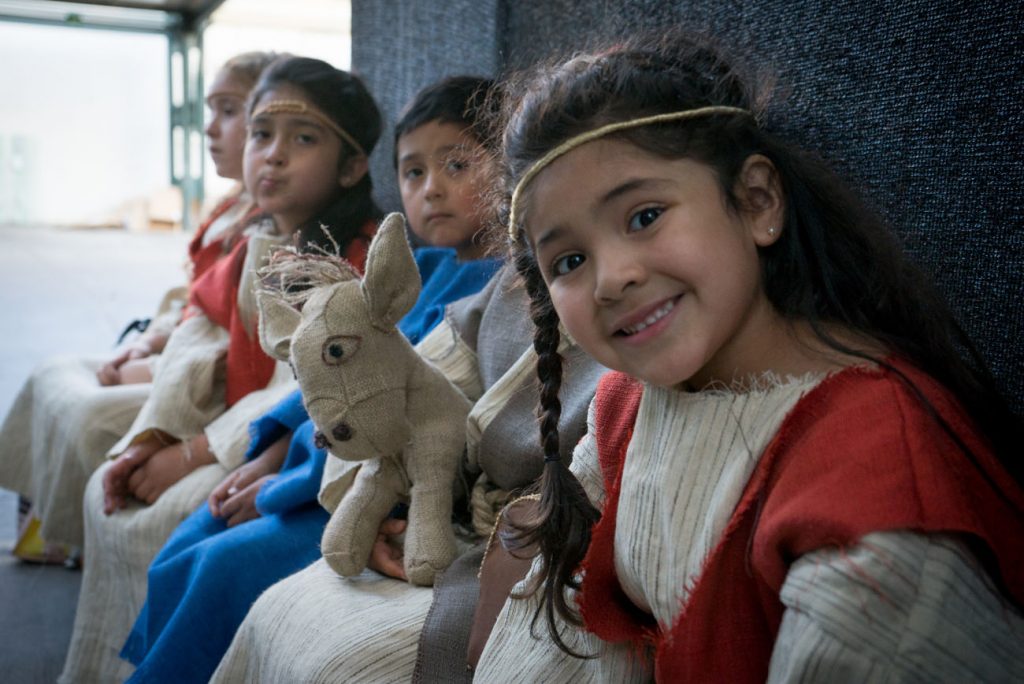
<point x="652" y="319"/>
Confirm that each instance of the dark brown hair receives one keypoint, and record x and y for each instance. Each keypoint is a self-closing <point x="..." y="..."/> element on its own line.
<point x="836" y="262"/>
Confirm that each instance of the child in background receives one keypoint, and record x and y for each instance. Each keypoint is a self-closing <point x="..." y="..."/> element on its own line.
<point x="797" y="475"/>
<point x="311" y="128"/>
<point x="72" y="410"/>
<point x="259" y="527"/>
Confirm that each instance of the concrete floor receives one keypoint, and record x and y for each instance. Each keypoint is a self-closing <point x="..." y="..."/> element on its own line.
<point x="62" y="291"/>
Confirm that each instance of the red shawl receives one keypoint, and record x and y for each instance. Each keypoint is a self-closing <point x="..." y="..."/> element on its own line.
<point x="204" y="256"/>
<point x="215" y="293"/>
<point x="857" y="454"/>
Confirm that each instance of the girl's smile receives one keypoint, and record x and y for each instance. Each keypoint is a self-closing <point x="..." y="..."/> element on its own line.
<point x="649" y="323"/>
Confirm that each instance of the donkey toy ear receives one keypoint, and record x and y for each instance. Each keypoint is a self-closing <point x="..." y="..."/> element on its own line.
<point x="392" y="281"/>
<point x="278" y="322"/>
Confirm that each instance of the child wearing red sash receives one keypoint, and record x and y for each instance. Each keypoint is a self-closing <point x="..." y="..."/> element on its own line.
<point x="794" y="472"/>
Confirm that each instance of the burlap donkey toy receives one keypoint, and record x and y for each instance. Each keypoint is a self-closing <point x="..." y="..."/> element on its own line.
<point x="373" y="399"/>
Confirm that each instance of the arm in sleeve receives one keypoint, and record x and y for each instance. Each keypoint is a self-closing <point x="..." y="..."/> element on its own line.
<point x="188" y="384"/>
<point x="898" y="606"/>
<point x="229" y="435"/>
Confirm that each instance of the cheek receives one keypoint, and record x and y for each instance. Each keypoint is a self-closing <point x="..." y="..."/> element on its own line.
<point x="573" y="312"/>
<point x="234" y="132"/>
<point x="250" y="163"/>
<point x="409" y="198"/>
<point x="472" y="203"/>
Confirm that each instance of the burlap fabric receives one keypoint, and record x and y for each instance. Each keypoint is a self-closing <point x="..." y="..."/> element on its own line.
<point x="378" y="403"/>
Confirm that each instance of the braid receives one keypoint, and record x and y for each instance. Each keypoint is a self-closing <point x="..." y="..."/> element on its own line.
<point x="562" y="524"/>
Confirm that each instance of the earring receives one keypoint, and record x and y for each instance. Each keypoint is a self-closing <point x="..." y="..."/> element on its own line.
<point x="771" y="231"/>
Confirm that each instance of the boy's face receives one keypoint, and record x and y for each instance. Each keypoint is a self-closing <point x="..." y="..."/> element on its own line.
<point x="441" y="173"/>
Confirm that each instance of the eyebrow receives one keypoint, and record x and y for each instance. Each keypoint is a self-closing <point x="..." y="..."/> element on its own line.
<point x="439" y="152"/>
<point x="548" y="236"/>
<point x="215" y="97"/>
<point x="627" y="187"/>
<point x="291" y="120"/>
<point x="608" y="197"/>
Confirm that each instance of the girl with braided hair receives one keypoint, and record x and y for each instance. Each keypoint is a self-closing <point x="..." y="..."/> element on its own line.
<point x="799" y="466"/>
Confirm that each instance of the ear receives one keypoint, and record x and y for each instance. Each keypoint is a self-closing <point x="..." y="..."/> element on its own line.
<point x="759" y="190"/>
<point x="392" y="282"/>
<point x="353" y="171"/>
<point x="277" y="323"/>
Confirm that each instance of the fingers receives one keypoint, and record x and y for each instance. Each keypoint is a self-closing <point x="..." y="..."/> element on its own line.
<point x="113" y="500"/>
<point x="108" y="375"/>
<point x="234" y="503"/>
<point x="145" y="492"/>
<point x="245" y="477"/>
<point x="116" y="362"/>
<point x="241" y="506"/>
<point x="392" y="526"/>
<point x="115" y="482"/>
<point x="219" y="494"/>
<point x="244" y="514"/>
<point x="386" y="559"/>
<point x="139" y="352"/>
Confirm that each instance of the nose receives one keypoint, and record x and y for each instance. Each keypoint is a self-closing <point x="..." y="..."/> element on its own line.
<point x="212" y="129"/>
<point x="618" y="270"/>
<point x="276" y="152"/>
<point x="434" y="187"/>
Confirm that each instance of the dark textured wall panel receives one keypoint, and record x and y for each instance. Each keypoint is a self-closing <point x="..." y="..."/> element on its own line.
<point x="918" y="102"/>
<point x="400" y="46"/>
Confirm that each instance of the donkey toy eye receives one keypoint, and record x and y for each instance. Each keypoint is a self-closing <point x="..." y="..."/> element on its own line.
<point x="338" y="349"/>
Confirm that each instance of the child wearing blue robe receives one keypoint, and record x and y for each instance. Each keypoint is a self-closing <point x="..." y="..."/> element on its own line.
<point x="208" y="574"/>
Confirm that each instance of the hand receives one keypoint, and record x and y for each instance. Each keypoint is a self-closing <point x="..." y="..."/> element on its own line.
<point x="110" y="373"/>
<point x="386" y="556"/>
<point x="166" y="467"/>
<point x="235" y="498"/>
<point x="135" y="371"/>
<point x="236" y="484"/>
<point x="155" y="341"/>
<point x="115" y="480"/>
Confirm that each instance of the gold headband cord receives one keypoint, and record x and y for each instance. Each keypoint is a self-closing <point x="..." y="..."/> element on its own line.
<point x="573" y="143"/>
<point x="300" y="107"/>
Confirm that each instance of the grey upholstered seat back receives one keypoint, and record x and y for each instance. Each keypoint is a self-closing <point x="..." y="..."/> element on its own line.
<point x="918" y="101"/>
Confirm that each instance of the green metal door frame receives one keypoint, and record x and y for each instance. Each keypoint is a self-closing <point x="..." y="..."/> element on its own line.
<point x="184" y="32"/>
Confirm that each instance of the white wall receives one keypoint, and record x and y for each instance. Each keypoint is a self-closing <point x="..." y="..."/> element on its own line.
<point x="310" y="28"/>
<point x="89" y="109"/>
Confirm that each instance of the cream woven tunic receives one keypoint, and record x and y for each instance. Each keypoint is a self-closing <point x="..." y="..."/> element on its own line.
<point x="187" y="398"/>
<point x="63" y="423"/>
<point x="897" y="606"/>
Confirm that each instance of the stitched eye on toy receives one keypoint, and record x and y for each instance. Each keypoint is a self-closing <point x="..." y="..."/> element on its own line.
<point x="340" y="348"/>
